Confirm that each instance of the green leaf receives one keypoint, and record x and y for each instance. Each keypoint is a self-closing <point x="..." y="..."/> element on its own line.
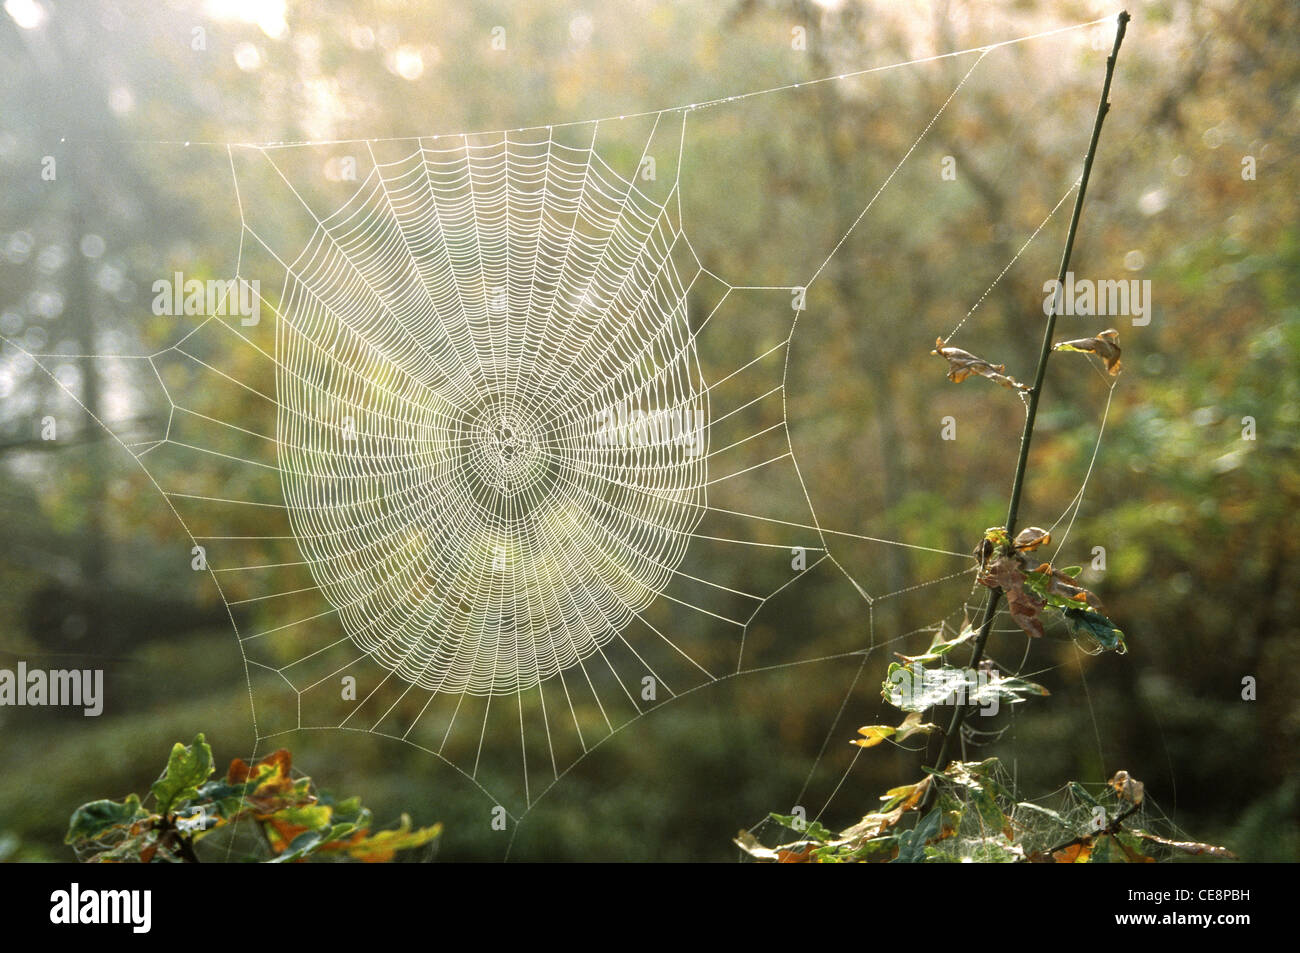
<point x="812" y="830"/>
<point x="99" y="817"/>
<point x="831" y="855"/>
<point x="348" y="811"/>
<point x="1103" y="851"/>
<point x="188" y="766"/>
<point x="952" y="810"/>
<point x="305" y="843"/>
<point x="911" y="844"/>
<point x="1132" y="845"/>
<point x="1094" y="632"/>
<point x="816" y="831"/>
<point x="992" y="821"/>
<point x="223" y="799"/>
<point x="982" y="791"/>
<point x="875" y="849"/>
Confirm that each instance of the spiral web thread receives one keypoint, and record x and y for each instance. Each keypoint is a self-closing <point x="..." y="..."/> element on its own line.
<point x="488" y="435"/>
<point x="478" y="457"/>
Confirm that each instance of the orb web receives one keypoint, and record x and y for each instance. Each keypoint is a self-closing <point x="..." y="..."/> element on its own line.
<point x="492" y="420"/>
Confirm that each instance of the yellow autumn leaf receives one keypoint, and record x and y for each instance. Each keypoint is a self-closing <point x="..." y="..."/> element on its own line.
<point x="873" y="735"/>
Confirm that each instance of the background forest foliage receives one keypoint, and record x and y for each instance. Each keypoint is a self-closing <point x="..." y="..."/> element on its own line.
<point x="1198" y="524"/>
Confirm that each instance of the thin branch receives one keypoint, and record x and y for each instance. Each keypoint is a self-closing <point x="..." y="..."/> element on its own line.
<point x="1111" y="828"/>
<point x="1017" y="486"/>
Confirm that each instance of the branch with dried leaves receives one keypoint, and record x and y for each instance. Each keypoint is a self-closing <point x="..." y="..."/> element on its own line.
<point x="975" y="817"/>
<point x="962" y="811"/>
<point x="1036" y="390"/>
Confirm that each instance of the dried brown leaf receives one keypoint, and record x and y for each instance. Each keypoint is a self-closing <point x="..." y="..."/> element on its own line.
<point x="1105" y="345"/>
<point x="1060" y="584"/>
<point x="1187" y="846"/>
<point x="1030" y="538"/>
<point x="1127" y="787"/>
<point x="1005" y="571"/>
<point x="1024" y="608"/>
<point x="962" y="364"/>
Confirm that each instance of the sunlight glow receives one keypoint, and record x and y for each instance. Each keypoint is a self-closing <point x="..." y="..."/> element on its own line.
<point x="28" y="14"/>
<point x="267" y="14"/>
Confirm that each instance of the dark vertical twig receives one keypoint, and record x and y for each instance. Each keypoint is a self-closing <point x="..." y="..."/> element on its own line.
<point x="1017" y="486"/>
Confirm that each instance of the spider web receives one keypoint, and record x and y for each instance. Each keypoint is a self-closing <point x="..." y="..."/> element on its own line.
<point x="490" y="484"/>
<point x="1043" y="827"/>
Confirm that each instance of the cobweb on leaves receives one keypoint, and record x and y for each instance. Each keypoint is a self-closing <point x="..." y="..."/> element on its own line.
<point x="489" y="482"/>
<point x="975" y="816"/>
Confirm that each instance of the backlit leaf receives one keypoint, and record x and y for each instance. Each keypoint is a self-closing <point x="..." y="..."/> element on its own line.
<point x="962" y="364"/>
<point x="1030" y="538"/>
<point x="1105" y="345"/>
<point x="188" y="766"/>
<point x="1094" y="632"/>
<point x="1187" y="847"/>
<point x="98" y="817"/>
